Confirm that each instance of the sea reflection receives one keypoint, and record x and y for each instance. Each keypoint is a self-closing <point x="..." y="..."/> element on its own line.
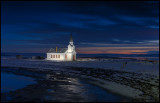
<point x="56" y="87"/>
<point x="11" y="82"/>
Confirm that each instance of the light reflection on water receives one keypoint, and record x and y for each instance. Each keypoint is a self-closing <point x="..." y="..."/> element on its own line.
<point x="86" y="92"/>
<point x="60" y="89"/>
<point x="11" y="82"/>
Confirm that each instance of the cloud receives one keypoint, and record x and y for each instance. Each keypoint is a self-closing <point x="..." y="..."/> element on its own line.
<point x="153" y="52"/>
<point x="154" y="26"/>
<point x="116" y="40"/>
<point x="93" y="24"/>
<point x="116" y="50"/>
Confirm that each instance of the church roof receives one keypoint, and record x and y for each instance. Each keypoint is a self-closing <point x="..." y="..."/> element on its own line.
<point x="59" y="50"/>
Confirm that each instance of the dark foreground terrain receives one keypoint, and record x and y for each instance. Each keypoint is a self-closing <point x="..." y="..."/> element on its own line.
<point x="56" y="86"/>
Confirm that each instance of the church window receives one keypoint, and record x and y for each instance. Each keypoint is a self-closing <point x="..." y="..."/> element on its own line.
<point x="51" y="56"/>
<point x="56" y="56"/>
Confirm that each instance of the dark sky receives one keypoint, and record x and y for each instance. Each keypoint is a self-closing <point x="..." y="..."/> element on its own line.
<point x="97" y="27"/>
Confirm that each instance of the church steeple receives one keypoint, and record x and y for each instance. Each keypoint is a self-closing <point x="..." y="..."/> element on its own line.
<point x="71" y="40"/>
<point x="71" y="47"/>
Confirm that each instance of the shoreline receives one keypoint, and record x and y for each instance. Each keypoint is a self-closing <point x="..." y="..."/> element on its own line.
<point x="139" y="86"/>
<point x="111" y="86"/>
<point x="51" y="77"/>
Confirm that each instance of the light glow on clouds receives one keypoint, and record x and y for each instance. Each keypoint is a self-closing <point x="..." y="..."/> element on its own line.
<point x="137" y="48"/>
<point x="116" y="50"/>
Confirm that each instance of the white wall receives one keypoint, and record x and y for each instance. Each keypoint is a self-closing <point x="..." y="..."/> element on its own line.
<point x="62" y="56"/>
<point x="69" y="56"/>
<point x="71" y="48"/>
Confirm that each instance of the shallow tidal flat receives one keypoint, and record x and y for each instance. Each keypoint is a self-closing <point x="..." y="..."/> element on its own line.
<point x="127" y="85"/>
<point x="54" y="86"/>
<point x="138" y="86"/>
<point x="131" y="86"/>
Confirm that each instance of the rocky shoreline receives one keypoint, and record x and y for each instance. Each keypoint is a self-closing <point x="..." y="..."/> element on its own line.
<point x="44" y="90"/>
<point x="136" y="86"/>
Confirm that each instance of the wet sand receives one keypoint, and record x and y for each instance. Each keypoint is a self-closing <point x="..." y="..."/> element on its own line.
<point x="138" y="86"/>
<point x="129" y="86"/>
<point x="57" y="86"/>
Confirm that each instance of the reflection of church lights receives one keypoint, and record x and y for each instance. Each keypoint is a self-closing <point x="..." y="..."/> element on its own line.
<point x="72" y="88"/>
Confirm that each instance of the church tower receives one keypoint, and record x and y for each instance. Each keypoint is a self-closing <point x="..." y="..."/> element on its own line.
<point x="71" y="47"/>
<point x="71" y="40"/>
<point x="71" y="50"/>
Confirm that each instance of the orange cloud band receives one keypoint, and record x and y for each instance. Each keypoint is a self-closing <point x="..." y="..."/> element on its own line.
<point x="116" y="50"/>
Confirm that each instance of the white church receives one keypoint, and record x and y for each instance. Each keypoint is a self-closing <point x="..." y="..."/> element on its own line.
<point x="63" y="54"/>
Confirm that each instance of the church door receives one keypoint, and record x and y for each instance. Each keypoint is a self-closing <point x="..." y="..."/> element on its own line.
<point x="73" y="57"/>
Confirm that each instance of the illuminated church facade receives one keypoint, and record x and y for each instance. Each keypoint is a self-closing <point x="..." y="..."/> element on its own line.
<point x="63" y="54"/>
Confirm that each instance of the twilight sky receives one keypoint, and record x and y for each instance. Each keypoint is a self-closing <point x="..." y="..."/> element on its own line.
<point x="97" y="27"/>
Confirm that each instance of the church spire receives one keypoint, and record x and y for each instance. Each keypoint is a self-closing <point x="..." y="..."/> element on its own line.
<point x="71" y="40"/>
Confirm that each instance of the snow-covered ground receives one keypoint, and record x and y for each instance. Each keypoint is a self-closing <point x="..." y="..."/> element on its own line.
<point x="136" y="79"/>
<point x="132" y="66"/>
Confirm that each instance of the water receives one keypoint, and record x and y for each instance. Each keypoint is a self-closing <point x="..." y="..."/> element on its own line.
<point x="55" y="88"/>
<point x="100" y="95"/>
<point x="11" y="82"/>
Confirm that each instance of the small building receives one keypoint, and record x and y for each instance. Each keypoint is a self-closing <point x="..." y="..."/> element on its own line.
<point x="63" y="54"/>
<point x="19" y="56"/>
<point x="37" y="57"/>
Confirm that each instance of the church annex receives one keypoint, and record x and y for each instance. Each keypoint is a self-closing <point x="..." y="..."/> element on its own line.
<point x="63" y="54"/>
